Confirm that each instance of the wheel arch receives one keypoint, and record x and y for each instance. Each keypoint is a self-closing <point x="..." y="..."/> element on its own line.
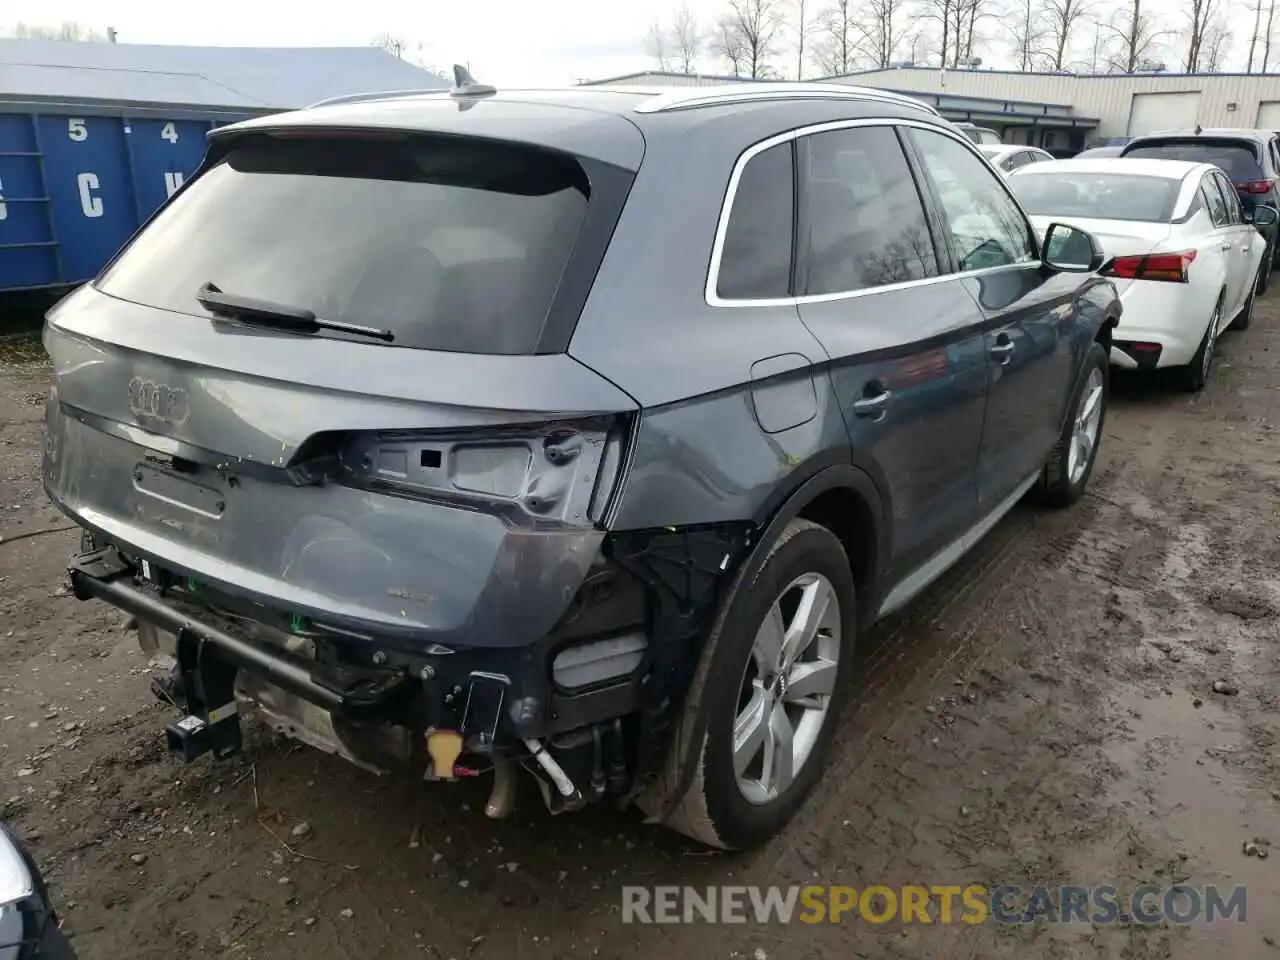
<point x="846" y="499"/>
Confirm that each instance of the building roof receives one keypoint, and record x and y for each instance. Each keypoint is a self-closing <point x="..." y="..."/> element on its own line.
<point x="247" y="78"/>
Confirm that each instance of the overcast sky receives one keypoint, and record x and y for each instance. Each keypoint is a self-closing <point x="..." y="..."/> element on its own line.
<point x="508" y="42"/>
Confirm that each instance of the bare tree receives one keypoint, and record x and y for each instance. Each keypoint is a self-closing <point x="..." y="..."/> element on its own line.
<point x="1029" y="32"/>
<point x="836" y="48"/>
<point x="655" y="46"/>
<point x="1061" y="17"/>
<point x="802" y="28"/>
<point x="1266" y="38"/>
<point x="1215" y="46"/>
<point x="1198" y="12"/>
<point x="394" y="45"/>
<point x="685" y="38"/>
<point x="1135" y="33"/>
<point x="747" y="36"/>
<point x="965" y="15"/>
<point x="1253" y="39"/>
<point x="727" y="44"/>
<point x="70" y="30"/>
<point x="943" y="11"/>
<point x="880" y="29"/>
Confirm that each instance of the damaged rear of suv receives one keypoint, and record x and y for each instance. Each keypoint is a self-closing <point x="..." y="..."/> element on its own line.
<point x="418" y="423"/>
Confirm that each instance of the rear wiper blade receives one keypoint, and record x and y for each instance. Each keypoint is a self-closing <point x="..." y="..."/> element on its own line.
<point x="281" y="316"/>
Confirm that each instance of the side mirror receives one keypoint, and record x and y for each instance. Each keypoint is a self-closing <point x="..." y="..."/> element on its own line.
<point x="1264" y="215"/>
<point x="28" y="926"/>
<point x="1069" y="249"/>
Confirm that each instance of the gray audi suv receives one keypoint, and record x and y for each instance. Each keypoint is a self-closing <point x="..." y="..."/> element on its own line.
<point x="574" y="434"/>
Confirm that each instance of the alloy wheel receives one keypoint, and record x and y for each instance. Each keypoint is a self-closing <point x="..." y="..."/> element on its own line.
<point x="1084" y="435"/>
<point x="786" y="690"/>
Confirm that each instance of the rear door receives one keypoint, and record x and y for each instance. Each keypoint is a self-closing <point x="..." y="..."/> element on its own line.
<point x="1228" y="240"/>
<point x="905" y="341"/>
<point x="1029" y="313"/>
<point x="1248" y="245"/>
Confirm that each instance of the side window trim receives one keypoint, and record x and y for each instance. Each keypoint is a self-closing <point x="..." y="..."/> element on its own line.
<point x="1235" y="213"/>
<point x="933" y="212"/>
<point x="712" y="298"/>
<point x="1033" y="241"/>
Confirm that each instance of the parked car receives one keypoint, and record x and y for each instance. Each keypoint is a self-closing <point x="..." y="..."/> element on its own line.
<point x="1097" y="153"/>
<point x="979" y="135"/>
<point x="1185" y="256"/>
<point x="1010" y="156"/>
<point x="580" y="431"/>
<point x="29" y="927"/>
<point x="1251" y="158"/>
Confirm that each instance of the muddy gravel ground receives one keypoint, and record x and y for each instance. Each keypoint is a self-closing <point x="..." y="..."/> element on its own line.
<point x="1046" y="714"/>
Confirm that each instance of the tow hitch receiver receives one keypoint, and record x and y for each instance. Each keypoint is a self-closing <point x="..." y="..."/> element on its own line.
<point x="212" y="724"/>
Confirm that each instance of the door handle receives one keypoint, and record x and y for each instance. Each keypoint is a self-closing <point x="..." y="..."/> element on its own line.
<point x="1227" y="246"/>
<point x="1003" y="351"/>
<point x="872" y="406"/>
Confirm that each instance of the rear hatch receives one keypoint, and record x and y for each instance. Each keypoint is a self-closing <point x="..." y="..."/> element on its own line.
<point x="1239" y="158"/>
<point x="389" y="440"/>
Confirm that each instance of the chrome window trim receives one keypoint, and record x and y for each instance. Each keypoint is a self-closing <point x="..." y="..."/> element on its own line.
<point x="712" y="297"/>
<point x="747" y="93"/>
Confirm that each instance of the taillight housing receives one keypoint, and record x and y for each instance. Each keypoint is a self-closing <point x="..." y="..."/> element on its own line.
<point x="1169" y="267"/>
<point x="561" y="473"/>
<point x="1256" y="186"/>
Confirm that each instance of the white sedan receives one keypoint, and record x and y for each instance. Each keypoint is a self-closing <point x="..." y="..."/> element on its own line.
<point x="1180" y="250"/>
<point x="1007" y="157"/>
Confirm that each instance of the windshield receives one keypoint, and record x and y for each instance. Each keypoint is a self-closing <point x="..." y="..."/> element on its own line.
<point x="1102" y="196"/>
<point x="447" y="243"/>
<point x="1237" y="158"/>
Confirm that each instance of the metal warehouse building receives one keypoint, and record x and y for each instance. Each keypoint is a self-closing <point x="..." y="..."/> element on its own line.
<point x="95" y="136"/>
<point x="1062" y="111"/>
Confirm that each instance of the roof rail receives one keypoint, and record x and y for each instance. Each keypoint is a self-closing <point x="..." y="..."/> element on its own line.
<point x="377" y="95"/>
<point x="756" y="92"/>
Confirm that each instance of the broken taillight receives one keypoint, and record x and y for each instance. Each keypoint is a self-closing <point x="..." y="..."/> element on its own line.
<point x="561" y="472"/>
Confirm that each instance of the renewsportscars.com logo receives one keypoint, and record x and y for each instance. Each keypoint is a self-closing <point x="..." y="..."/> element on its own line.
<point x="944" y="904"/>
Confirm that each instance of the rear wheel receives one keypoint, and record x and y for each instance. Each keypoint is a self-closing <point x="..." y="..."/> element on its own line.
<point x="1195" y="374"/>
<point x="771" y="684"/>
<point x="1067" y="471"/>
<point x="1242" y="319"/>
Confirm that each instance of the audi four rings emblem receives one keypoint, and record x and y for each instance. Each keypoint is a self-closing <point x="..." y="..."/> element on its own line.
<point x="158" y="401"/>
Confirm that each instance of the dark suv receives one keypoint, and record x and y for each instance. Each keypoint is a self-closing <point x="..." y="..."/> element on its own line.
<point x="579" y="431"/>
<point x="1251" y="158"/>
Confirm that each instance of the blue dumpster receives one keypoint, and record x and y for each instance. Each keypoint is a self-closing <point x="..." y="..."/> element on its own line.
<point x="74" y="187"/>
<point x="94" y="137"/>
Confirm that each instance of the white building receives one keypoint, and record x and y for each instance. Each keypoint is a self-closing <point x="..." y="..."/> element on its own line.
<point x="1062" y="111"/>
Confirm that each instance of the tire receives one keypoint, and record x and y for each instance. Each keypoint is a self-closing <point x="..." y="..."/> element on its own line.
<point x="1195" y="374"/>
<point x="1065" y="475"/>
<point x="716" y="809"/>
<point x="1242" y="319"/>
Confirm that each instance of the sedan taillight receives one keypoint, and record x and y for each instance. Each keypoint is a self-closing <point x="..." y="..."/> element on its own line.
<point x="1171" y="267"/>
<point x="1255" y="186"/>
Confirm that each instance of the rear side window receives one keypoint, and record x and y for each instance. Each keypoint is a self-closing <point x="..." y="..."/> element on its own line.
<point x="755" y="261"/>
<point x="451" y="244"/>
<point x="1238" y="158"/>
<point x="866" y="225"/>
<point x="985" y="225"/>
<point x="1213" y="200"/>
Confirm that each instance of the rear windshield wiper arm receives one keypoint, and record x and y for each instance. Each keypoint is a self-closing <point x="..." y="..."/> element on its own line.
<point x="264" y="313"/>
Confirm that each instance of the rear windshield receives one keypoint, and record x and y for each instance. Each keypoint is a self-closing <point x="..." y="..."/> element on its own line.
<point x="1238" y="159"/>
<point x="449" y="243"/>
<point x="1102" y="196"/>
